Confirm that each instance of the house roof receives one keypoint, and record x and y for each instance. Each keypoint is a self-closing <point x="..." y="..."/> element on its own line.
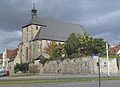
<point x="11" y="53"/>
<point x="55" y="30"/>
<point x="118" y="52"/>
<point x="115" y="49"/>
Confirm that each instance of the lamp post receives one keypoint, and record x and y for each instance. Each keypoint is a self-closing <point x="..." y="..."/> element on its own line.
<point x="98" y="64"/>
<point x="99" y="71"/>
<point x="108" y="71"/>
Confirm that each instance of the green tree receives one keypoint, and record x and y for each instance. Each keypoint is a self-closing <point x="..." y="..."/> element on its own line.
<point x="17" y="67"/>
<point x="99" y="45"/>
<point x="23" y="67"/>
<point x="54" y="50"/>
<point x="85" y="45"/>
<point x="50" y="49"/>
<point x="77" y="46"/>
<point x="71" y="45"/>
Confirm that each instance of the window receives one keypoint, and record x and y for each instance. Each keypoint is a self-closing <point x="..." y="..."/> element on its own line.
<point x="85" y="63"/>
<point x="38" y="45"/>
<point x="26" y="37"/>
<point x="26" y="53"/>
<point x="21" y="50"/>
<point x="27" y="28"/>
<point x="105" y="64"/>
<point x="31" y="37"/>
<point x="36" y="27"/>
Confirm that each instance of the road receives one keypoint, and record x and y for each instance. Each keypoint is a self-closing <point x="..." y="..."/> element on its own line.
<point x="70" y="84"/>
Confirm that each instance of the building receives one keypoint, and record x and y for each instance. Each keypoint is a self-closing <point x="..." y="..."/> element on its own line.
<point x="40" y="31"/>
<point x="115" y="50"/>
<point x="8" y="56"/>
<point x="1" y="58"/>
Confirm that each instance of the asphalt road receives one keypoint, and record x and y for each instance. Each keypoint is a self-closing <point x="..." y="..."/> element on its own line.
<point x="70" y="84"/>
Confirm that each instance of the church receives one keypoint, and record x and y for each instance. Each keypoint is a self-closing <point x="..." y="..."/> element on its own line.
<point x="40" y="31"/>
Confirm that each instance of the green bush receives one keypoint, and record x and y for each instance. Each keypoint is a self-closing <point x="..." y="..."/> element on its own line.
<point x="23" y="67"/>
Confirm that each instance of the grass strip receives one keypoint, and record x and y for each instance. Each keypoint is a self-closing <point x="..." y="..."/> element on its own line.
<point x="57" y="80"/>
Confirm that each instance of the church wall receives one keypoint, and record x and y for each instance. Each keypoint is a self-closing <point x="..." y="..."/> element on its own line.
<point x="19" y="55"/>
<point x="30" y="48"/>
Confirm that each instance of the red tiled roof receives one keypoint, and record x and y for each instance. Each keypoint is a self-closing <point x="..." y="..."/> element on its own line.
<point x="11" y="53"/>
<point x="115" y="49"/>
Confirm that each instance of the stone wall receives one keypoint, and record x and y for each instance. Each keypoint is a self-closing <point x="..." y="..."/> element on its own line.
<point x="82" y="65"/>
<point x="11" y="68"/>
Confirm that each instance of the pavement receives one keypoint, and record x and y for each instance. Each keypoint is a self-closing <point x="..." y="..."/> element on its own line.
<point x="71" y="84"/>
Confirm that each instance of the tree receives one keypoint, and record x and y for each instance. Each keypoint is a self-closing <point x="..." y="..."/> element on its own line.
<point x="77" y="46"/>
<point x="50" y="49"/>
<point x="23" y="67"/>
<point x="85" y="45"/>
<point x="71" y="45"/>
<point x="54" y="50"/>
<point x="99" y="46"/>
<point x="17" y="67"/>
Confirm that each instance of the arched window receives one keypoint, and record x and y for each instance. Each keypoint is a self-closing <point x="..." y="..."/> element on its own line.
<point x="36" y="27"/>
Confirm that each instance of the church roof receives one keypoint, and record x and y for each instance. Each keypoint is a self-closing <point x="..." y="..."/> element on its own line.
<point x="55" y="30"/>
<point x="35" y="21"/>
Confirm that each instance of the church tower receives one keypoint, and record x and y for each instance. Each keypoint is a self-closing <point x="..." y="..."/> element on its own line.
<point x="30" y="48"/>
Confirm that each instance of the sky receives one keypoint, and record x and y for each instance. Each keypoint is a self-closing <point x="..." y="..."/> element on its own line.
<point x="101" y="18"/>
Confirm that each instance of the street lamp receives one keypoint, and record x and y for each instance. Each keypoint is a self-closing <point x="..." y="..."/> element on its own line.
<point x="108" y="70"/>
<point x="98" y="64"/>
<point x="99" y="70"/>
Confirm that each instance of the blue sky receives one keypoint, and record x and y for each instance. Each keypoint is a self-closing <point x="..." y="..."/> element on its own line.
<point x="101" y="18"/>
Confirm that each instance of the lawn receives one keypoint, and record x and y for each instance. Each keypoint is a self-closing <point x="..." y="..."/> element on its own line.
<point x="58" y="80"/>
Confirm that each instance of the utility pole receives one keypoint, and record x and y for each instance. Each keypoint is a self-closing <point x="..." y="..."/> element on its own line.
<point x="98" y="64"/>
<point x="99" y="71"/>
<point x="108" y="71"/>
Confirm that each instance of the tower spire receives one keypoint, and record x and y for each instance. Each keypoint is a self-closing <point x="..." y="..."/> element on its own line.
<point x="34" y="11"/>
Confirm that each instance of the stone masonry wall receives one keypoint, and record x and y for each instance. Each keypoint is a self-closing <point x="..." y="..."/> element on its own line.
<point x="84" y="65"/>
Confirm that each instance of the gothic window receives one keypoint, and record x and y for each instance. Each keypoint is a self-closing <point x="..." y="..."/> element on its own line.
<point x="85" y="63"/>
<point x="27" y="37"/>
<point x="21" y="50"/>
<point x="36" y="27"/>
<point x="27" y="28"/>
<point x="31" y="37"/>
<point x="26" y="53"/>
<point x="38" y="46"/>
